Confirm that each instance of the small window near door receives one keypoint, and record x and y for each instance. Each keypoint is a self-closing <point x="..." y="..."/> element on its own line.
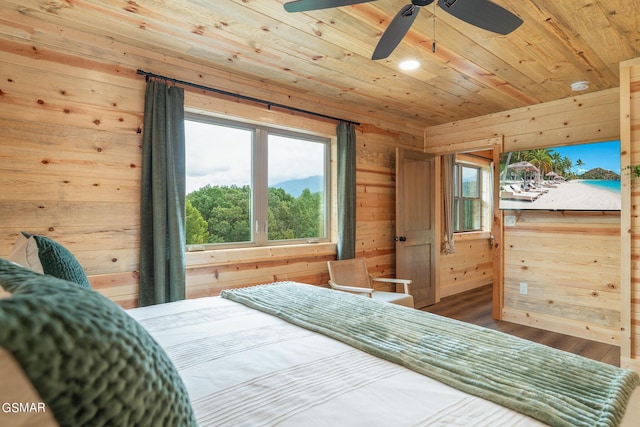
<point x="467" y="198"/>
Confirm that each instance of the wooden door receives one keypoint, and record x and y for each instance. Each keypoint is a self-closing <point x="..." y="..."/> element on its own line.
<point x="415" y="223"/>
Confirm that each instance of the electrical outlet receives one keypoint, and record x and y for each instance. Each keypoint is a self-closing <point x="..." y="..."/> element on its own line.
<point x="509" y="220"/>
<point x="524" y="289"/>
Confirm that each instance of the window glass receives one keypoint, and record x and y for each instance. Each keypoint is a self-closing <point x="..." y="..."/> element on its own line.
<point x="296" y="194"/>
<point x="218" y="181"/>
<point x="471" y="214"/>
<point x="470" y="182"/>
<point x="250" y="185"/>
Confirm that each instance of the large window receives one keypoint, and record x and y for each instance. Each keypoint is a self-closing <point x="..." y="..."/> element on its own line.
<point x="468" y="197"/>
<point x="252" y="185"/>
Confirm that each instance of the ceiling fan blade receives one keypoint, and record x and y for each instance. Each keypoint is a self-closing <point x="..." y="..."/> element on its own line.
<point x="482" y="13"/>
<point x="305" y="5"/>
<point x="396" y="31"/>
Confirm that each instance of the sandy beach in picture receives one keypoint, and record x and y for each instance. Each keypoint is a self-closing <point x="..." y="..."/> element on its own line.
<point x="567" y="196"/>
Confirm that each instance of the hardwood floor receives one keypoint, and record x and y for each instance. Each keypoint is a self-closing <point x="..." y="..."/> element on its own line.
<point x="475" y="307"/>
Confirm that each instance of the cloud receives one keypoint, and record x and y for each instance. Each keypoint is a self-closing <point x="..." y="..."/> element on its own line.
<point x="218" y="155"/>
<point x="198" y="169"/>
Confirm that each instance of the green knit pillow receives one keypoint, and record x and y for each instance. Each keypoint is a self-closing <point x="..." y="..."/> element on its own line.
<point x="90" y="361"/>
<point x="57" y="261"/>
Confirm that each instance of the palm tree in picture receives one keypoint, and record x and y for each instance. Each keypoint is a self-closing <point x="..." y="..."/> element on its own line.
<point x="556" y="159"/>
<point x="541" y="159"/>
<point x="567" y="164"/>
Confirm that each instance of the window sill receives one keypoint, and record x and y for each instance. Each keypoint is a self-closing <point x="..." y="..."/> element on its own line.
<point x="471" y="235"/>
<point x="271" y="253"/>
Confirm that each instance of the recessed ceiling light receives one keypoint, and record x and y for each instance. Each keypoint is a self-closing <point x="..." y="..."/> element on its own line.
<point x="409" y="64"/>
<point x="578" y="86"/>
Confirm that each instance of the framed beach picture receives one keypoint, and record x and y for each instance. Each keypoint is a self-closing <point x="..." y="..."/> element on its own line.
<point x="583" y="177"/>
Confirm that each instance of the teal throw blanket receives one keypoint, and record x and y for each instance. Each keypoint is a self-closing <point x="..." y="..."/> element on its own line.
<point x="552" y="386"/>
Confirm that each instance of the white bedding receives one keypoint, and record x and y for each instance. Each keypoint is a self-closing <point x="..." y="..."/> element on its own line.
<point x="243" y="367"/>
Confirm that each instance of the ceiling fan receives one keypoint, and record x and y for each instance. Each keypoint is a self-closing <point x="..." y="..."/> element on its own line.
<point x="480" y="13"/>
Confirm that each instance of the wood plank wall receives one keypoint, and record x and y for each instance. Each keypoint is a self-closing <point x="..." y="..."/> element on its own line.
<point x="71" y="109"/>
<point x="471" y="266"/>
<point x="630" y="248"/>
<point x="571" y="264"/>
<point x="560" y="298"/>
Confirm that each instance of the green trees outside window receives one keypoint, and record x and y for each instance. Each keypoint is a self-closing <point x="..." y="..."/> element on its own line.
<point x="221" y="214"/>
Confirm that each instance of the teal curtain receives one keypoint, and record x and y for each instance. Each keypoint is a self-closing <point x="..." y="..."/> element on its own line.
<point x="162" y="240"/>
<point x="346" y="134"/>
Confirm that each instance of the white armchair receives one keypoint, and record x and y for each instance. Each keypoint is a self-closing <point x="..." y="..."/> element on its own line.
<point x="351" y="275"/>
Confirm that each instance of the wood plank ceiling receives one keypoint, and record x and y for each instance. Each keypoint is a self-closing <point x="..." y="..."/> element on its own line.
<point x="326" y="54"/>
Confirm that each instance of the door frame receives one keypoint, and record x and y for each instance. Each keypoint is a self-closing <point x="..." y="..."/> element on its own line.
<point x="497" y="230"/>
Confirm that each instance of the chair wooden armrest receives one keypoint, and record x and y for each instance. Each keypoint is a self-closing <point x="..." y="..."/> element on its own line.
<point x="354" y="289"/>
<point x="404" y="282"/>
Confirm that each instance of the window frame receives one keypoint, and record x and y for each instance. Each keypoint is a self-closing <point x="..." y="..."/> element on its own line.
<point x="259" y="183"/>
<point x="459" y="198"/>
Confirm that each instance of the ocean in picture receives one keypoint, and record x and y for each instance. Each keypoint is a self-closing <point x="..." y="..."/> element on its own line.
<point x="607" y="184"/>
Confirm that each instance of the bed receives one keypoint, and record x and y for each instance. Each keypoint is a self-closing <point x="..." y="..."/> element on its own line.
<point x="290" y="354"/>
<point x="278" y="354"/>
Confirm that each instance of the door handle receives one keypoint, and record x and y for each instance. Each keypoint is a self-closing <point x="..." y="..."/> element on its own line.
<point x="400" y="239"/>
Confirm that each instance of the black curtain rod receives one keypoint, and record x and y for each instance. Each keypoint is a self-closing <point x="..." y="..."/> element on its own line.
<point x="246" y="98"/>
